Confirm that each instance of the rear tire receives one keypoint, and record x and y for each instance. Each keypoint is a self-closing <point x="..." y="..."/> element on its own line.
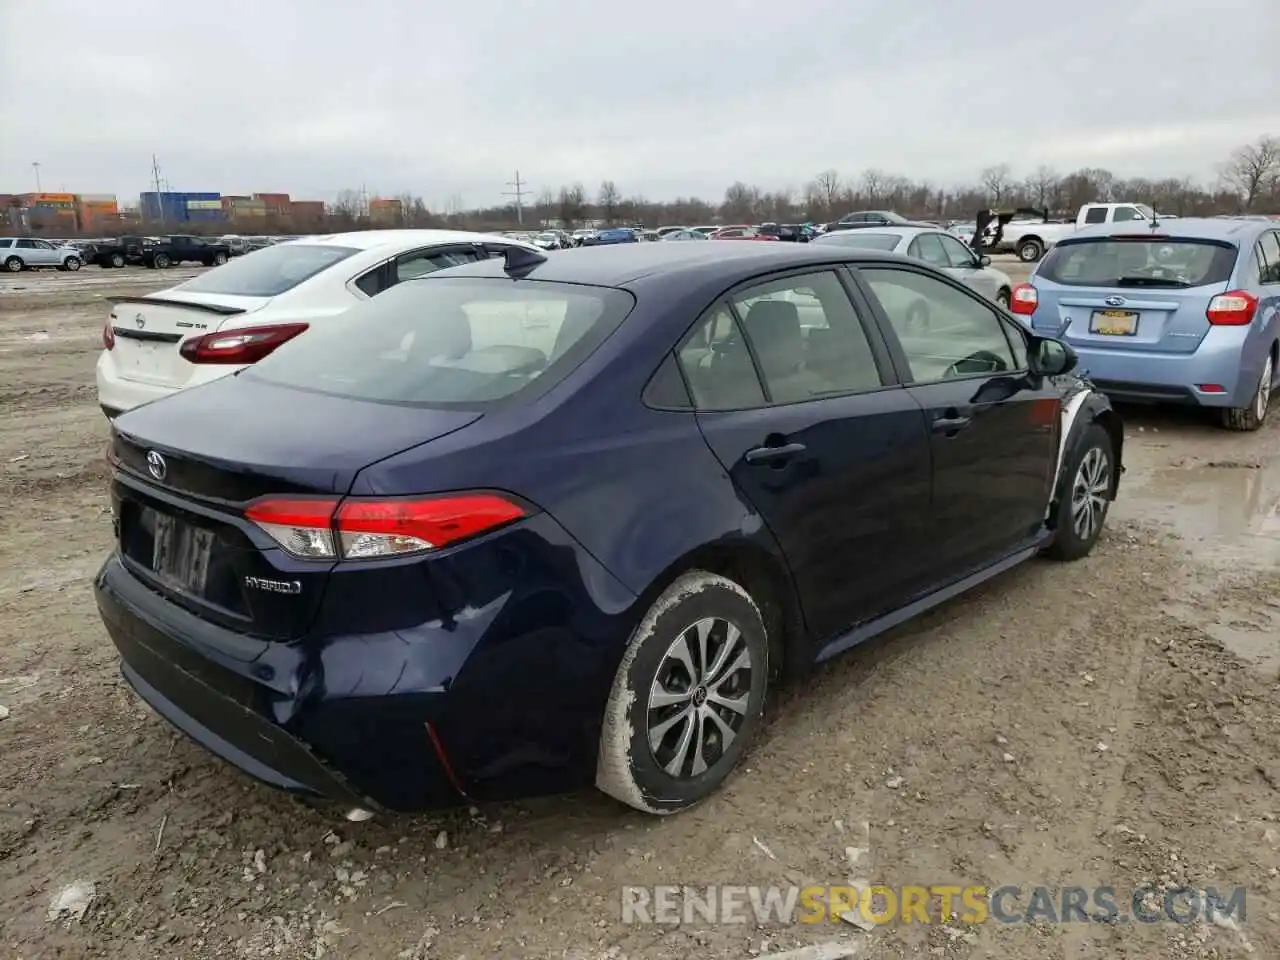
<point x="13" y="265"/>
<point x="1004" y="296"/>
<point x="1030" y="250"/>
<point x="688" y="696"/>
<point x="1084" y="498"/>
<point x="1253" y="416"/>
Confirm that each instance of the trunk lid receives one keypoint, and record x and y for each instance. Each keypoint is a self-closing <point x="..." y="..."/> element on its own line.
<point x="180" y="520"/>
<point x="1146" y="320"/>
<point x="149" y="330"/>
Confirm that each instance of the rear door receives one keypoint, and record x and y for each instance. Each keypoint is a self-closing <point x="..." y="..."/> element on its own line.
<point x="805" y="416"/>
<point x="993" y="427"/>
<point x="1138" y="293"/>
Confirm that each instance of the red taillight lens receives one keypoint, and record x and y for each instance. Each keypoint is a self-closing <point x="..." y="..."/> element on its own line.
<point x="108" y="336"/>
<point x="365" y="528"/>
<point x="1235" y="308"/>
<point x="245" y="345"/>
<point x="1024" y="299"/>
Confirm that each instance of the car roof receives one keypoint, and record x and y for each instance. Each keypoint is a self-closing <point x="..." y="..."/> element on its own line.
<point x="894" y="230"/>
<point x="1233" y="230"/>
<point x="625" y="264"/>
<point x="374" y="239"/>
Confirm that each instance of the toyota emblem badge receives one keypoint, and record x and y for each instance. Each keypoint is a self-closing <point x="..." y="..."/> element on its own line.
<point x="156" y="465"/>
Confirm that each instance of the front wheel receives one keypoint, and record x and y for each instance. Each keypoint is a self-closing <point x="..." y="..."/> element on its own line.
<point x="161" y="261"/>
<point x="1029" y="251"/>
<point x="72" y="264"/>
<point x="117" y="260"/>
<point x="1252" y="417"/>
<point x="219" y="259"/>
<point x="1085" y="487"/>
<point x="687" y="698"/>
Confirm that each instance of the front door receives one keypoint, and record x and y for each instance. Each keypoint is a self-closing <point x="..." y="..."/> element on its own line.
<point x="967" y="268"/>
<point x="800" y="406"/>
<point x="994" y="427"/>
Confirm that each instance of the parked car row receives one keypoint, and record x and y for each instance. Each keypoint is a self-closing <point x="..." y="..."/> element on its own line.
<point x="476" y="520"/>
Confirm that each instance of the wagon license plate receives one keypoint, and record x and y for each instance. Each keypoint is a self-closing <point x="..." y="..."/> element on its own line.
<point x="1114" y="323"/>
<point x="181" y="554"/>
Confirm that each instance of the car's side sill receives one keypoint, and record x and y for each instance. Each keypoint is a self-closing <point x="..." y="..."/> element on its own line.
<point x="865" y="631"/>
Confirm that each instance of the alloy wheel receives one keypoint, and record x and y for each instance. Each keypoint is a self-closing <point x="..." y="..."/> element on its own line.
<point x="698" y="700"/>
<point x="1089" y="493"/>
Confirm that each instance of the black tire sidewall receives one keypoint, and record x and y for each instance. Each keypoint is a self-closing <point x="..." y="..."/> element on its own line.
<point x="1067" y="545"/>
<point x="8" y="265"/>
<point x="662" y="792"/>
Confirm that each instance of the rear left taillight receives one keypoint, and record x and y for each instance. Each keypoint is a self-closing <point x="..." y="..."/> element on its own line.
<point x="359" y="528"/>
<point x="244" y="345"/>
<point x="1024" y="299"/>
<point x="108" y="335"/>
<point x="1235" y="308"/>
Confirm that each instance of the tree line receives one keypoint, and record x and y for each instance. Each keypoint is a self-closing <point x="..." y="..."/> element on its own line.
<point x="1248" y="181"/>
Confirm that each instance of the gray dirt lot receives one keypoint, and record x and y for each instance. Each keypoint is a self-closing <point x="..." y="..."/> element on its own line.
<point x="1112" y="722"/>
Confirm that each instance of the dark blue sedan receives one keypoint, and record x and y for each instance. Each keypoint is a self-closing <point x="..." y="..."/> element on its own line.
<point x="535" y="523"/>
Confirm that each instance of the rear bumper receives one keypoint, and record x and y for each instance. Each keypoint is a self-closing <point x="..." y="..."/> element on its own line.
<point x="1222" y="358"/>
<point x="224" y="708"/>
<point x="117" y="393"/>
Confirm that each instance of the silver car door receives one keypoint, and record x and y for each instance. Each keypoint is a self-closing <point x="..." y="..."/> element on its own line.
<point x="966" y="267"/>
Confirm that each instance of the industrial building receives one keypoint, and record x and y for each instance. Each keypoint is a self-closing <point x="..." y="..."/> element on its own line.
<point x="175" y="208"/>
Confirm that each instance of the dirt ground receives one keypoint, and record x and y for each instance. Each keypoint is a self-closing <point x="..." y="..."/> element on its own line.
<point x="1114" y="722"/>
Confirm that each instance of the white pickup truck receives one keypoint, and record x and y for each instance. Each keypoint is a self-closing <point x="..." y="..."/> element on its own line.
<point x="1030" y="238"/>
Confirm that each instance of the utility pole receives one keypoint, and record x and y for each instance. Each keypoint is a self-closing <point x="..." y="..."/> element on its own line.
<point x="36" y="167"/>
<point x="155" y="177"/>
<point x="518" y="194"/>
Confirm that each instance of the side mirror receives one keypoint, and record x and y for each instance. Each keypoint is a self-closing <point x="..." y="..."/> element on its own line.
<point x="984" y="260"/>
<point x="1051" y="358"/>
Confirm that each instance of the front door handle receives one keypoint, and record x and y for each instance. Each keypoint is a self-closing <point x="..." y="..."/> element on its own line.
<point x="781" y="452"/>
<point x="950" y="425"/>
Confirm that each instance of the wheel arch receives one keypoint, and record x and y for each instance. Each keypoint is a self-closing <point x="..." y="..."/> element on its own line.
<point x="765" y="576"/>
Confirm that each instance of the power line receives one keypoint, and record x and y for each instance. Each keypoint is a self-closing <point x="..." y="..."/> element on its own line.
<point x="518" y="194"/>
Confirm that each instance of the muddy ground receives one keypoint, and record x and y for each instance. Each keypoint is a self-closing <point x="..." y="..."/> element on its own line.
<point x="1113" y="722"/>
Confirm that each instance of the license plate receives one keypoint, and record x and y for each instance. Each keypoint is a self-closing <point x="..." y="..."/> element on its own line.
<point x="1114" y="323"/>
<point x="181" y="554"/>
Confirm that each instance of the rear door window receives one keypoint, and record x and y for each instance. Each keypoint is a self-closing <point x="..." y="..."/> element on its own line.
<point x="269" y="271"/>
<point x="1096" y="215"/>
<point x="1138" y="262"/>
<point x="411" y="266"/>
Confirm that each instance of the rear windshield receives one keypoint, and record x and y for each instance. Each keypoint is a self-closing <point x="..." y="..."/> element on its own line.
<point x="451" y="342"/>
<point x="1139" y="262"/>
<point x="861" y="238"/>
<point x="270" y="271"/>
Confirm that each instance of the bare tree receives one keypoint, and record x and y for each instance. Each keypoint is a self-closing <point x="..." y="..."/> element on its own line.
<point x="828" y="188"/>
<point x="608" y="200"/>
<point x="1042" y="187"/>
<point x="996" y="181"/>
<point x="573" y="204"/>
<point x="874" y="185"/>
<point x="740" y="202"/>
<point x="545" y="206"/>
<point x="1251" y="169"/>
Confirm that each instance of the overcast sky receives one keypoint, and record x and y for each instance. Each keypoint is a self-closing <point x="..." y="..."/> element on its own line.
<point x="447" y="98"/>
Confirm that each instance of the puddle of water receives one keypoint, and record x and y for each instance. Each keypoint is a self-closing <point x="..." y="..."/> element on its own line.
<point x="1226" y="511"/>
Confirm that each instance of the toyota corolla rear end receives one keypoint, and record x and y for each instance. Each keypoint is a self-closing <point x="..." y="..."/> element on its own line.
<point x="1153" y="317"/>
<point x="304" y="583"/>
<point x="210" y="326"/>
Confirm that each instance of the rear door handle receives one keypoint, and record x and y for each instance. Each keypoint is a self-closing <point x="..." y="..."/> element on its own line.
<point x="773" y="454"/>
<point x="950" y="425"/>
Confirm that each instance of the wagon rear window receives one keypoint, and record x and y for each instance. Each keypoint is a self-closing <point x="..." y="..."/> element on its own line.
<point x="1143" y="261"/>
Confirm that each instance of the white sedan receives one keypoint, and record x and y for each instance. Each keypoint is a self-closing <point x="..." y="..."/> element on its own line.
<point x="233" y="315"/>
<point x="935" y="247"/>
